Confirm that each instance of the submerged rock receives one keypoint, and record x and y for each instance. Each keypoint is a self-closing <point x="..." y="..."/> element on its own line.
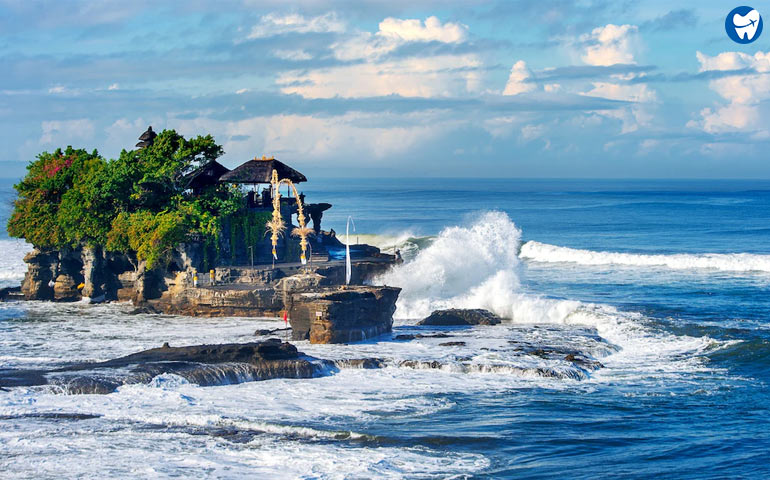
<point x="410" y="336"/>
<point x="457" y="316"/>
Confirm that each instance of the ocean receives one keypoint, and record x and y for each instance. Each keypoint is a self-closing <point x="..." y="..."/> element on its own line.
<point x="662" y="286"/>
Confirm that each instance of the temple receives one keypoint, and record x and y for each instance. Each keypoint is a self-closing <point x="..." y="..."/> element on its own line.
<point x="255" y="179"/>
<point x="264" y="261"/>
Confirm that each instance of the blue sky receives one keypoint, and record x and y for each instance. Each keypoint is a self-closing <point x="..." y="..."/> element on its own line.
<point x="593" y="89"/>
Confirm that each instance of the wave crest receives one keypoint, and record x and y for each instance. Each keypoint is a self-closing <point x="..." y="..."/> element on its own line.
<point x="729" y="262"/>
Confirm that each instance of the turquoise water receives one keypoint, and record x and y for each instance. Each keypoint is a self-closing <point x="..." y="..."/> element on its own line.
<point x="664" y="282"/>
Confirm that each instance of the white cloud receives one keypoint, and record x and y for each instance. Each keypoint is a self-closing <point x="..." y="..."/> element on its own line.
<point x="293" y="55"/>
<point x="343" y="138"/>
<point x="631" y="118"/>
<point x="732" y="117"/>
<point x="275" y="24"/>
<point x="393" y="33"/>
<point x="410" y="77"/>
<point x="124" y="133"/>
<point x="500" y="127"/>
<point x="420" y="75"/>
<point x="623" y="92"/>
<point x="743" y="92"/>
<point x="520" y="80"/>
<point x="760" y="61"/>
<point x="610" y="44"/>
<point x="531" y="132"/>
<point x="552" y="87"/>
<point x="412" y="30"/>
<point x="65" y="131"/>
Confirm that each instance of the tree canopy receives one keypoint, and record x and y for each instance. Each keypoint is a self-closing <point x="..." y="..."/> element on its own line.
<point x="135" y="203"/>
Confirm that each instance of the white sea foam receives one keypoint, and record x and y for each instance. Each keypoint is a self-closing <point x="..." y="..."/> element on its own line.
<point x="729" y="262"/>
<point x="12" y="266"/>
<point x="478" y="267"/>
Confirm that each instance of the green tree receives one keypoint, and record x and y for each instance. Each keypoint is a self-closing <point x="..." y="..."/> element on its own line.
<point x="50" y="178"/>
<point x="136" y="203"/>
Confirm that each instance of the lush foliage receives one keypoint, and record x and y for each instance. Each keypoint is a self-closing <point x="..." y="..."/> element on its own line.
<point x="248" y="226"/>
<point x="136" y="203"/>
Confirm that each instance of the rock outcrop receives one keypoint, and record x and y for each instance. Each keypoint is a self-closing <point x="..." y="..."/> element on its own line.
<point x="456" y="316"/>
<point x="39" y="279"/>
<point x="342" y="314"/>
<point x="201" y="364"/>
<point x="223" y="301"/>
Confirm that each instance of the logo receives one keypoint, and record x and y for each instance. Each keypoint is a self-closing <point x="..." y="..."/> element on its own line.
<point x="743" y="25"/>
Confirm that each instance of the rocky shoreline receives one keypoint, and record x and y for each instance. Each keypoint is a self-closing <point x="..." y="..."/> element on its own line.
<point x="271" y="358"/>
<point x="314" y="296"/>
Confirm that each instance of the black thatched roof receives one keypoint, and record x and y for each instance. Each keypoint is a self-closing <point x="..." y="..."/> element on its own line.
<point x="261" y="171"/>
<point x="147" y="138"/>
<point x="204" y="176"/>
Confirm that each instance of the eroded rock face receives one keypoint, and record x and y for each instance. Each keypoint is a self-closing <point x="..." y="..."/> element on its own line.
<point x="232" y="300"/>
<point x="457" y="316"/>
<point x="342" y="314"/>
<point x="57" y="274"/>
<point x="38" y="281"/>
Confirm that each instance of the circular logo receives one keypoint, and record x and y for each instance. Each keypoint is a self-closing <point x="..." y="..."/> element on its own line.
<point x="743" y="24"/>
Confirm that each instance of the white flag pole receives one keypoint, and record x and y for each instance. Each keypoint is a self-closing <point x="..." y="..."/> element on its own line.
<point x="348" y="268"/>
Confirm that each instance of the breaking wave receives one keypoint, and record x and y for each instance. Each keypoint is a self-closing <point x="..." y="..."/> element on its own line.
<point x="478" y="266"/>
<point x="729" y="262"/>
<point x="12" y="266"/>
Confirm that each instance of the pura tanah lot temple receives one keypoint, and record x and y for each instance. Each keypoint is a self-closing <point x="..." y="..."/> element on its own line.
<point x="272" y="258"/>
<point x="323" y="289"/>
<point x="257" y="180"/>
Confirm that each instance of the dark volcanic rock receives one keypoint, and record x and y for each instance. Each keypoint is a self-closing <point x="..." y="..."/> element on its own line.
<point x="201" y="364"/>
<point x="342" y="314"/>
<point x="362" y="363"/>
<point x="264" y="332"/>
<point x="452" y="344"/>
<point x="456" y="316"/>
<point x="11" y="293"/>
<point x="254" y="352"/>
<point x="410" y="336"/>
<point x="144" y="309"/>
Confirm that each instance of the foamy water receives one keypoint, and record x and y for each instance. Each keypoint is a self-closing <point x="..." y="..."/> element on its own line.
<point x="729" y="262"/>
<point x="12" y="266"/>
<point x="489" y="401"/>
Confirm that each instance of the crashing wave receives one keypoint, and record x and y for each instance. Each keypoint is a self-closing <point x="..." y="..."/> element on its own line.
<point x="12" y="266"/>
<point x="728" y="262"/>
<point x="478" y="266"/>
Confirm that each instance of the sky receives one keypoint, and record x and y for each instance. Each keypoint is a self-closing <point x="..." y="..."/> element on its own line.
<point x="530" y="89"/>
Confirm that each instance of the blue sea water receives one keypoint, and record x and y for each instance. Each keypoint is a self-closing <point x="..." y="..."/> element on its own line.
<point x="665" y="283"/>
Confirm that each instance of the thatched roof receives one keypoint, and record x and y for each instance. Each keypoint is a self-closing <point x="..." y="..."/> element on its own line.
<point x="261" y="171"/>
<point x="147" y="138"/>
<point x="205" y="175"/>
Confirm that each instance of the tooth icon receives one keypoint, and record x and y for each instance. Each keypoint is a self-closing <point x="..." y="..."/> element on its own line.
<point x="746" y="25"/>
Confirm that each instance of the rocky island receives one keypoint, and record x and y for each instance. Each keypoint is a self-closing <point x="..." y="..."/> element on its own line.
<point x="172" y="230"/>
<point x="167" y="227"/>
